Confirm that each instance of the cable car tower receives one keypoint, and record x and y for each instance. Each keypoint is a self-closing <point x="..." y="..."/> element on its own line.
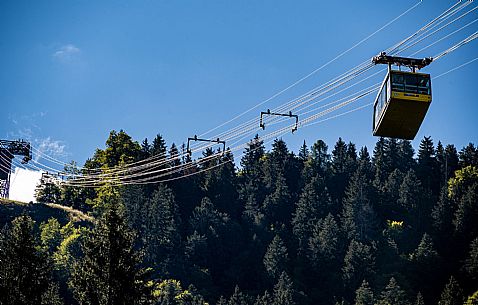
<point x="8" y="149"/>
<point x="403" y="99"/>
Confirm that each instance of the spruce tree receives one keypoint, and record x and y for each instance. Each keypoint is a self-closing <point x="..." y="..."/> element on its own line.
<point x="238" y="298"/>
<point x="312" y="205"/>
<point x="393" y="294"/>
<point x="471" y="262"/>
<point x="276" y="258"/>
<point x="468" y="156"/>
<point x="358" y="215"/>
<point x="110" y="272"/>
<point x="283" y="291"/>
<point x="452" y="294"/>
<point x="364" y="294"/>
<point x="25" y="271"/>
<point x="359" y="263"/>
<point x="161" y="226"/>
<point x="324" y="242"/>
<point x="419" y="300"/>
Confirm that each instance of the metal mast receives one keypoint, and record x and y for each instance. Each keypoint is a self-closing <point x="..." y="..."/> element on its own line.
<point x="8" y="150"/>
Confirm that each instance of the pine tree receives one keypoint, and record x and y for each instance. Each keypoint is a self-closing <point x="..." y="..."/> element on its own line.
<point x="158" y="148"/>
<point x="161" y="225"/>
<point x="405" y="155"/>
<point x="452" y="294"/>
<point x="364" y="294"/>
<point x="219" y="185"/>
<point x="359" y="263"/>
<point x="471" y="262"/>
<point x="324" y="242"/>
<point x="276" y="257"/>
<point x="419" y="300"/>
<point x="145" y="149"/>
<point x="428" y="169"/>
<point x="109" y="272"/>
<point x="283" y="291"/>
<point x="312" y="205"/>
<point x="358" y="216"/>
<point x="468" y="156"/>
<point x="411" y="200"/>
<point x="265" y="299"/>
<point x="393" y="294"/>
<point x="25" y="272"/>
<point x="380" y="163"/>
<point x="340" y="176"/>
<point x="277" y="205"/>
<point x="47" y="191"/>
<point x="304" y="152"/>
<point x="238" y="298"/>
<point x="318" y="162"/>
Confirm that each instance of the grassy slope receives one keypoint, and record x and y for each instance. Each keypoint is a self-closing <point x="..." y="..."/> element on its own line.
<point x="40" y="212"/>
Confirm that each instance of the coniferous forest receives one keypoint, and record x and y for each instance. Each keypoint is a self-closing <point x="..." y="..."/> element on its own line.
<point x="332" y="224"/>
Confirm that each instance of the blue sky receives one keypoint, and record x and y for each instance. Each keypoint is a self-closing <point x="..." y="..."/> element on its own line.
<point x="74" y="70"/>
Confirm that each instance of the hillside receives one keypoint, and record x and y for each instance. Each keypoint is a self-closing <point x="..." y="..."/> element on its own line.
<point x="40" y="212"/>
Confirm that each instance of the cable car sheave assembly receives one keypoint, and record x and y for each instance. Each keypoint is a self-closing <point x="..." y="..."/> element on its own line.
<point x="403" y="99"/>
<point x="268" y="112"/>
<point x="399" y="109"/>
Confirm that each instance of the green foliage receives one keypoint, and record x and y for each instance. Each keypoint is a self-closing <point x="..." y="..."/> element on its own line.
<point x="109" y="272"/>
<point x="393" y="294"/>
<point x="341" y="226"/>
<point x="283" y="291"/>
<point x="324" y="242"/>
<point x="471" y="262"/>
<point x="25" y="271"/>
<point x="170" y="292"/>
<point x="452" y="294"/>
<point x="50" y="235"/>
<point x="47" y="191"/>
<point x="364" y="294"/>
<point x="473" y="299"/>
<point x="359" y="263"/>
<point x="276" y="258"/>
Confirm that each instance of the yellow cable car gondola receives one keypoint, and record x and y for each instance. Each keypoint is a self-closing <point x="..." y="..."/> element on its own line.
<point x="403" y="99"/>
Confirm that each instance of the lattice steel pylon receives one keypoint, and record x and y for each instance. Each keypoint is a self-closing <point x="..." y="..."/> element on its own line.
<point x="8" y="150"/>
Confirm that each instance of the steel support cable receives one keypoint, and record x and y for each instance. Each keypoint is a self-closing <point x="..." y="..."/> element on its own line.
<point x="338" y="56"/>
<point x="369" y="104"/>
<point x="446" y="13"/>
<point x="371" y="87"/>
<point x="447" y="36"/>
<point x="308" y="105"/>
<point x="185" y="167"/>
<point x="305" y="121"/>
<point x="456" y="68"/>
<point x="362" y="40"/>
<point x="281" y="109"/>
<point x="316" y="70"/>
<point x="309" y="124"/>
<point x="166" y="160"/>
<point x="444" y="16"/>
<point x="431" y="26"/>
<point x="295" y="100"/>
<point x="444" y="26"/>
<point x="347" y="112"/>
<point x="457" y="46"/>
<point x="168" y="171"/>
<point x="338" y="115"/>
<point x="426" y="47"/>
